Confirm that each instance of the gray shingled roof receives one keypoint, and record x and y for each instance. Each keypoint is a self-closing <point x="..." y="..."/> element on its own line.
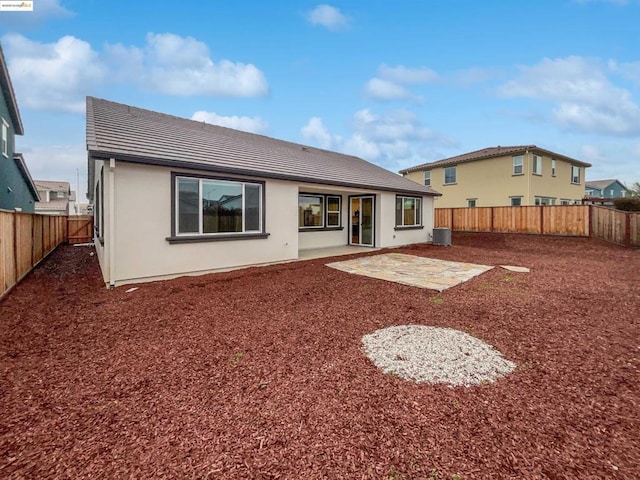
<point x="136" y="135"/>
<point x="9" y="95"/>
<point x="489" y="153"/>
<point x="53" y="185"/>
<point x="601" y="184"/>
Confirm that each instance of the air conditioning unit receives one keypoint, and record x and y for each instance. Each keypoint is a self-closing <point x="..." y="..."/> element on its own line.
<point x="442" y="236"/>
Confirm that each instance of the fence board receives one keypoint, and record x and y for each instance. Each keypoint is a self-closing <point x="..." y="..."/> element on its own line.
<point x="570" y="220"/>
<point x="634" y="233"/>
<point x="7" y="253"/>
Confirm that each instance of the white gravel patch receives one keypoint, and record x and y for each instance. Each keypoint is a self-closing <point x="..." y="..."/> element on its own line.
<point x="435" y="355"/>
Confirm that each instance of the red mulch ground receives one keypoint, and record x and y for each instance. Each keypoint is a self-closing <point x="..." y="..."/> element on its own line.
<point x="259" y="373"/>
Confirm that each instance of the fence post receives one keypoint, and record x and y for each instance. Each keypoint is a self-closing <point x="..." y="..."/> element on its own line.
<point x="627" y="230"/>
<point x="590" y="217"/>
<point x="16" y="268"/>
<point x="541" y="207"/>
<point x="491" y="228"/>
<point x="452" y="219"/>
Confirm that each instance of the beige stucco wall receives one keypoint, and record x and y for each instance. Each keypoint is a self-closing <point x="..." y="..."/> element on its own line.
<point x="136" y="248"/>
<point x="492" y="183"/>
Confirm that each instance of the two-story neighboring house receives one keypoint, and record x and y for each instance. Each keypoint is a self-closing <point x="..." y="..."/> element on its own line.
<point x="17" y="190"/>
<point x="503" y="176"/>
<point x="57" y="198"/>
<point x="601" y="189"/>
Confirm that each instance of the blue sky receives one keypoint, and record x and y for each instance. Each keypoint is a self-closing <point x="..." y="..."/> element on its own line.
<point x="397" y="83"/>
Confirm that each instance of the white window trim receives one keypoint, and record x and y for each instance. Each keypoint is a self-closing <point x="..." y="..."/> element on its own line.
<point x="218" y="234"/>
<point x="521" y="165"/>
<point x="579" y="175"/>
<point x="553" y="167"/>
<point x="444" y="175"/>
<point x="427" y="178"/>
<point x="511" y="199"/>
<point x="474" y="200"/>
<point x="5" y="138"/>
<point x="536" y="161"/>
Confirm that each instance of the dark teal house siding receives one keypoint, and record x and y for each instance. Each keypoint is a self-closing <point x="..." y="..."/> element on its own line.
<point x="14" y="189"/>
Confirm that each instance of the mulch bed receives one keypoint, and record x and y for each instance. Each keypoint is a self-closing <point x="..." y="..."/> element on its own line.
<point x="259" y="373"/>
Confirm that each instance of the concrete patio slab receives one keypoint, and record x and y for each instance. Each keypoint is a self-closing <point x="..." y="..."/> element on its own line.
<point x="513" y="268"/>
<point x="411" y="270"/>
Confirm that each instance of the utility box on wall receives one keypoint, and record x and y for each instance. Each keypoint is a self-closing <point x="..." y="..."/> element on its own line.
<point x="442" y="236"/>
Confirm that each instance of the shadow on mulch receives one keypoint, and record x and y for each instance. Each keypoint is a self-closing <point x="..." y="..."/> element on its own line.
<point x="259" y="373"/>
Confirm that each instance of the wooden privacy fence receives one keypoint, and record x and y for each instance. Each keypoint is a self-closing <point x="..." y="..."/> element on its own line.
<point x="571" y="220"/>
<point x="26" y="238"/>
<point x="615" y="226"/>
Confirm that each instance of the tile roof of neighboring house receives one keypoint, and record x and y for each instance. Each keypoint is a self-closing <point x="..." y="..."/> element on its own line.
<point x="601" y="184"/>
<point x="53" y="185"/>
<point x="9" y="95"/>
<point x="489" y="153"/>
<point x="53" y="205"/>
<point x="24" y="171"/>
<point x="136" y="135"/>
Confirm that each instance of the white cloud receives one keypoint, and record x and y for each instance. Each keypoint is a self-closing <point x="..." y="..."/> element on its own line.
<point x="379" y="89"/>
<point x="53" y="76"/>
<point x="182" y="66"/>
<point x="393" y="139"/>
<point x="246" y="124"/>
<point x="316" y="132"/>
<point x="406" y="75"/>
<point x="329" y="17"/>
<point x="585" y="99"/>
<point x="628" y="70"/>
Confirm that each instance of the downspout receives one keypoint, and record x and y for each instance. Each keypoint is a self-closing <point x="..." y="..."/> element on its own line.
<point x="112" y="223"/>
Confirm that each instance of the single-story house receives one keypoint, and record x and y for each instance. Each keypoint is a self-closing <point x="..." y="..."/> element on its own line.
<point x="56" y="198"/>
<point x="177" y="197"/>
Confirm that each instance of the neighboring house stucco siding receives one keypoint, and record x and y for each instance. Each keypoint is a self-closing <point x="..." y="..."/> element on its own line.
<point x="20" y="195"/>
<point x="491" y="182"/>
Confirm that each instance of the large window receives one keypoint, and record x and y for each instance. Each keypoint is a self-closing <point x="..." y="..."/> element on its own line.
<point x="537" y="165"/>
<point x="408" y="211"/>
<point x="575" y="174"/>
<point x="5" y="138"/>
<point x="319" y="211"/>
<point x="211" y="206"/>
<point x="518" y="162"/>
<point x="544" y="201"/>
<point x="450" y="175"/>
<point x="427" y="178"/>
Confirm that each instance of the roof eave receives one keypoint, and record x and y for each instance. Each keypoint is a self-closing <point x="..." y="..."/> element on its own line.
<point x="106" y="155"/>
<point x="10" y="96"/>
<point x="24" y="171"/>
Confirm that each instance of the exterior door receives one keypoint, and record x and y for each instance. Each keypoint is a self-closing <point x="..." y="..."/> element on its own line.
<point x="362" y="214"/>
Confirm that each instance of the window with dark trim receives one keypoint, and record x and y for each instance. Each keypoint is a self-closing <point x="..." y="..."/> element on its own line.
<point x="319" y="211"/>
<point x="575" y="174"/>
<point x="536" y="168"/>
<point x="210" y="206"/>
<point x="408" y="211"/>
<point x="516" y="201"/>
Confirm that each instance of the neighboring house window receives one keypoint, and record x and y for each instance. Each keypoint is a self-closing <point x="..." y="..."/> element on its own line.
<point x="545" y="201"/>
<point x="471" y="202"/>
<point x="427" y="178"/>
<point x="516" y="201"/>
<point x="319" y="211"/>
<point x="589" y="193"/>
<point x="565" y="202"/>
<point x="575" y="174"/>
<point x="553" y="168"/>
<point x="408" y="211"/>
<point x="612" y="192"/>
<point x="623" y="193"/>
<point x="537" y="165"/>
<point x="214" y="206"/>
<point x="5" y="138"/>
<point x="518" y="162"/>
<point x="450" y="175"/>
<point x="59" y="194"/>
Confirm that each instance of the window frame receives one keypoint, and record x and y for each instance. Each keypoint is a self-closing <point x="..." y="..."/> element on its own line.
<point x="427" y="178"/>
<point x="418" y="215"/>
<point x="455" y="175"/>
<point x="553" y="167"/>
<point x="573" y="176"/>
<point x="518" y="198"/>
<point x="5" y="138"/>
<point x="521" y="165"/>
<point x="536" y="161"/>
<point x="470" y="201"/>
<point x="188" y="237"/>
<point x="325" y="212"/>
